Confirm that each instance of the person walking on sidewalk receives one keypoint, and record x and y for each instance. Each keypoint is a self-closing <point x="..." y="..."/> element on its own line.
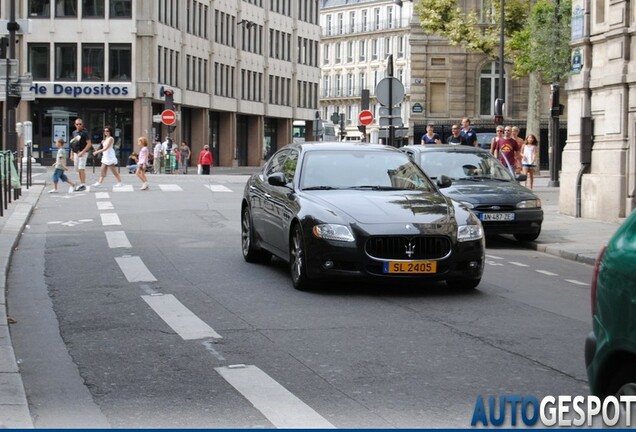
<point x="529" y="158"/>
<point x="60" y="167"/>
<point x="206" y="160"/>
<point x="157" y="157"/>
<point x="185" y="157"/>
<point x="109" y="158"/>
<point x="141" y="164"/>
<point x="80" y="146"/>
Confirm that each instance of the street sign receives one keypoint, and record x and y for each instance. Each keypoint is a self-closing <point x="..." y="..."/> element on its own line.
<point x="365" y="117"/>
<point x="391" y="121"/>
<point x="168" y="117"/>
<point x="390" y="112"/>
<point x="390" y="85"/>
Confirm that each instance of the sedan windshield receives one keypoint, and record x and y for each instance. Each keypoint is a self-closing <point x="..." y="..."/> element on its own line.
<point x="368" y="170"/>
<point x="464" y="166"/>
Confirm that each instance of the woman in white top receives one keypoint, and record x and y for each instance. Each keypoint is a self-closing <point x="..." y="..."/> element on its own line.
<point x="109" y="158"/>
<point x="530" y="158"/>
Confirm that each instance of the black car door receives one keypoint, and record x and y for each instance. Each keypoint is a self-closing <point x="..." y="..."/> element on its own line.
<point x="283" y="206"/>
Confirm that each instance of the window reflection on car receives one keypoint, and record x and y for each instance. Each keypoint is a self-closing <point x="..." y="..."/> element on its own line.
<point x="454" y="166"/>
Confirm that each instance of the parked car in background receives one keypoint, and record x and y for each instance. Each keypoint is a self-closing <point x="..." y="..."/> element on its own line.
<point x="485" y="186"/>
<point x="610" y="349"/>
<point x="347" y="210"/>
<point x="484" y="139"/>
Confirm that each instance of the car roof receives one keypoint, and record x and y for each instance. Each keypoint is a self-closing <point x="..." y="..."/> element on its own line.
<point x="444" y="148"/>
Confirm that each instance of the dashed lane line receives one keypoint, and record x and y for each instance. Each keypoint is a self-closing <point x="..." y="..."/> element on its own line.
<point x="275" y="402"/>
<point x="104" y="205"/>
<point x="117" y="239"/>
<point x="218" y="188"/>
<point x="134" y="269"/>
<point x="110" y="219"/>
<point x="545" y="272"/>
<point x="575" y="282"/>
<point x="185" y="323"/>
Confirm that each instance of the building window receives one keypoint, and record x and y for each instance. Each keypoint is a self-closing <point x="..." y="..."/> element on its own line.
<point x="365" y="20"/>
<point x="120" y="63"/>
<point x="93" y="62"/>
<point x="489" y="88"/>
<point x="325" y="57"/>
<point x="349" y="52"/>
<point x="376" y="19"/>
<point x="39" y="8"/>
<point x="120" y="8"/>
<point x="66" y="62"/>
<point x="400" y="53"/>
<point x="352" y="22"/>
<point x="338" y="53"/>
<point x="362" y="51"/>
<point x="39" y="61"/>
<point x="439" y="99"/>
<point x="387" y="47"/>
<point x="66" y="8"/>
<point x="374" y="49"/>
<point x="93" y="8"/>
<point x="340" y="23"/>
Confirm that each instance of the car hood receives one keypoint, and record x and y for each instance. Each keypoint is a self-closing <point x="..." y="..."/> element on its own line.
<point x="488" y="191"/>
<point x="387" y="206"/>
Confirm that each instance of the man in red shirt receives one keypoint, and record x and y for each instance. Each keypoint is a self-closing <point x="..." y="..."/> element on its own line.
<point x="507" y="150"/>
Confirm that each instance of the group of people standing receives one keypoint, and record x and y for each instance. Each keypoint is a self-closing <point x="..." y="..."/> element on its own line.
<point x="81" y="145"/>
<point x="514" y="152"/>
<point x="168" y="152"/>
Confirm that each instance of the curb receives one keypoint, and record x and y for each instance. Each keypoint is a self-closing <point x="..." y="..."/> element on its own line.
<point x="14" y="408"/>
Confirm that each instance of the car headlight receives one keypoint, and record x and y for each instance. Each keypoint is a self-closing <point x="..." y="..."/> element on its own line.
<point x="333" y="232"/>
<point x="528" y="204"/>
<point x="469" y="232"/>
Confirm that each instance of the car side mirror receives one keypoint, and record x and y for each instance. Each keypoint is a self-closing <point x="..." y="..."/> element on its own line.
<point x="521" y="177"/>
<point x="444" y="181"/>
<point x="277" y="179"/>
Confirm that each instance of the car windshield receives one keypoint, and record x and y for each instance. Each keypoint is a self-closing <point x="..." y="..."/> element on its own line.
<point x="464" y="166"/>
<point x="368" y="170"/>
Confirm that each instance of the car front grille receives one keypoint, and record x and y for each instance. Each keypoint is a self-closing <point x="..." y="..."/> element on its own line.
<point x="493" y="207"/>
<point x="408" y="248"/>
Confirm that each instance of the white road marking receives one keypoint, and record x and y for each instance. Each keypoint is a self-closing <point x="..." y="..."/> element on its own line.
<point x="577" y="282"/>
<point x="117" y="239"/>
<point x="170" y="188"/>
<point x="218" y="188"/>
<point x="104" y="205"/>
<point x="209" y="345"/>
<point x="518" y="264"/>
<point x="279" y="405"/>
<point x="134" y="269"/>
<point x="547" y="273"/>
<point x="70" y="223"/>
<point x="102" y="195"/>
<point x="124" y="188"/>
<point x="493" y="257"/>
<point x="110" y="219"/>
<point x="493" y="263"/>
<point x="179" y="318"/>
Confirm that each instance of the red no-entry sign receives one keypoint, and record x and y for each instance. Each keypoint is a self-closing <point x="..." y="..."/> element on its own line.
<point x="168" y="117"/>
<point x="365" y="117"/>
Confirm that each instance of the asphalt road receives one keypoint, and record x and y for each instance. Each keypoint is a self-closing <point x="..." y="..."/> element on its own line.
<point x="136" y="309"/>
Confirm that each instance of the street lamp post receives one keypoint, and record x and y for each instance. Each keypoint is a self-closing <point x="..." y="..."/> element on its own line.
<point x="500" y="94"/>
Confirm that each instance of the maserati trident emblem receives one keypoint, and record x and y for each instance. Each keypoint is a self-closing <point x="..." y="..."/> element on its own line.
<point x="409" y="249"/>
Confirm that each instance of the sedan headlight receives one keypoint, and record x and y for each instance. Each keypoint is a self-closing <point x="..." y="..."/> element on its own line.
<point x="333" y="232"/>
<point x="469" y="232"/>
<point x="528" y="204"/>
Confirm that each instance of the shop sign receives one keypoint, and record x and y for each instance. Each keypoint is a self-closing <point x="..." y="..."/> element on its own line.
<point x="83" y="90"/>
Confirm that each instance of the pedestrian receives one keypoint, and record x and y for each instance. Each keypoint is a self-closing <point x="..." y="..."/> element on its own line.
<point x="206" y="160"/>
<point x="80" y="146"/>
<point x="469" y="133"/>
<point x="157" y="157"/>
<point x="430" y="137"/>
<point x="530" y="158"/>
<point x="456" y="137"/>
<point x="185" y="157"/>
<point x="133" y="161"/>
<point x="493" y="142"/>
<point x="141" y="165"/>
<point x="109" y="158"/>
<point x="507" y="150"/>
<point x="60" y="167"/>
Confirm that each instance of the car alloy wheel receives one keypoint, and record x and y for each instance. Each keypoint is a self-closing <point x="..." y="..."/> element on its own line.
<point x="250" y="254"/>
<point x="297" y="264"/>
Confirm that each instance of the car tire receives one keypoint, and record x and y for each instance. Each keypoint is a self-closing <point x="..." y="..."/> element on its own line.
<point x="527" y="237"/>
<point x="462" y="283"/>
<point x="622" y="383"/>
<point x="297" y="261"/>
<point x="250" y="253"/>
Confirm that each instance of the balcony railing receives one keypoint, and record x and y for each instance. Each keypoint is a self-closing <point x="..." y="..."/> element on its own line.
<point x="368" y="27"/>
<point x="356" y="92"/>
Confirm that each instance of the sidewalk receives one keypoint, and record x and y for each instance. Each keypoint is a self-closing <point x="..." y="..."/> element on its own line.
<point x="568" y="237"/>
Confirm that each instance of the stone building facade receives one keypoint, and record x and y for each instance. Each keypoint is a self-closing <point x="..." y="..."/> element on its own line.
<point x="598" y="171"/>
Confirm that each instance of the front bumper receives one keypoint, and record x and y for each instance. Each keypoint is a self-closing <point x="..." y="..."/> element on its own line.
<point x="526" y="222"/>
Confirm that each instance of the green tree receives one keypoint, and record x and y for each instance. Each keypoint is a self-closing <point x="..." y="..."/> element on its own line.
<point x="537" y="38"/>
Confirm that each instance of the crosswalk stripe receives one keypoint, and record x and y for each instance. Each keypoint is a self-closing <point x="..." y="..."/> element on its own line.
<point x="275" y="402"/>
<point x="134" y="269"/>
<point x="104" y="205"/>
<point x="170" y="188"/>
<point x="179" y="318"/>
<point x="117" y="239"/>
<point x="218" y="188"/>
<point x="110" y="219"/>
<point x="102" y="195"/>
<point x="124" y="188"/>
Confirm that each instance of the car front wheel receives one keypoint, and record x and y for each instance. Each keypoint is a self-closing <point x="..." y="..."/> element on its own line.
<point x="297" y="262"/>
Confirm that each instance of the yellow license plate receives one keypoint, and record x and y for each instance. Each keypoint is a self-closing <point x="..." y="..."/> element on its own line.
<point x="410" y="267"/>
